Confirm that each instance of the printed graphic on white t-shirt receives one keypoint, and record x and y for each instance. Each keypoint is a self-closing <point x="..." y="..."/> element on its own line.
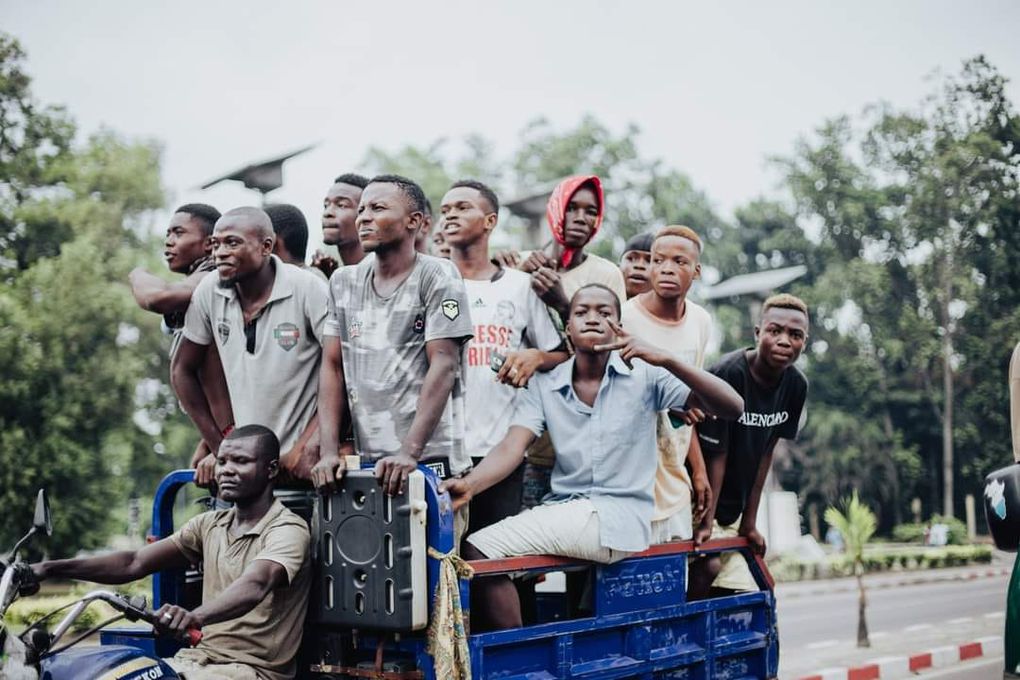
<point x="507" y="316"/>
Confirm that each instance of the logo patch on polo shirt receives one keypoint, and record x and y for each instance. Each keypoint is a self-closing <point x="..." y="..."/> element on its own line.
<point x="223" y="328"/>
<point x="287" y="335"/>
<point x="419" y="323"/>
<point x="451" y="309"/>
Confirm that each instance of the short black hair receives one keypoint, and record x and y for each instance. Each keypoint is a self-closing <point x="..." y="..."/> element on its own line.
<point x="203" y="213"/>
<point x="428" y="207"/>
<point x="266" y="442"/>
<point x="487" y="193"/>
<point x="408" y="187"/>
<point x="353" y="179"/>
<point x="641" y="243"/>
<point x="290" y="226"/>
<point x="612" y="294"/>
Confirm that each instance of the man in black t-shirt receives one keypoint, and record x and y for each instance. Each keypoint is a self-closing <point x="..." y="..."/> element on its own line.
<point x="738" y="454"/>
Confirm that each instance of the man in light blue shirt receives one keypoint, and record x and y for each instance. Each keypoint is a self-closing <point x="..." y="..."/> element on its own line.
<point x="600" y="409"/>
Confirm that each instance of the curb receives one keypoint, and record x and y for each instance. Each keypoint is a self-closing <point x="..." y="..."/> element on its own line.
<point x="919" y="578"/>
<point x="906" y="666"/>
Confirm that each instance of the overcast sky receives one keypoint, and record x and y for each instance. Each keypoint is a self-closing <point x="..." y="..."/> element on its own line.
<point x="715" y="87"/>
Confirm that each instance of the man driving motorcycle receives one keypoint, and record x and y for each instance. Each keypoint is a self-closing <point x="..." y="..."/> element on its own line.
<point x="256" y="570"/>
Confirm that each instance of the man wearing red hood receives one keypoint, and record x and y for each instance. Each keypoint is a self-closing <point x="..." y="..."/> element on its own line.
<point x="574" y="212"/>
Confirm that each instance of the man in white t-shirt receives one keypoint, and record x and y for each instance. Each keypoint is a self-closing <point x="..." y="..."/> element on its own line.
<point x="665" y="318"/>
<point x="514" y="336"/>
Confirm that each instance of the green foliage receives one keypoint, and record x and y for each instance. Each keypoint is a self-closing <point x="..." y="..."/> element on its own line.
<point x="913" y="224"/>
<point x="914" y="532"/>
<point x="24" y="613"/>
<point x="28" y="610"/>
<point x="786" y="569"/>
<point x="917" y="213"/>
<point x="856" y="522"/>
<point x="81" y="363"/>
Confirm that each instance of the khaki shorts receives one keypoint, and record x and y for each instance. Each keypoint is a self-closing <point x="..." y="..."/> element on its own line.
<point x="568" y="529"/>
<point x="192" y="668"/>
<point x="734" y="573"/>
<point x="676" y="527"/>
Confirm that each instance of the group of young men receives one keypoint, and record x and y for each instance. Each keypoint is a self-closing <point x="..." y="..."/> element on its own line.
<point x="560" y="397"/>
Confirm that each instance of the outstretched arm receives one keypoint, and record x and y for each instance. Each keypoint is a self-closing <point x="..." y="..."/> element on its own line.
<point x="117" y="567"/>
<point x="521" y="364"/>
<point x="496" y="466"/>
<point x="708" y="390"/>
<point x="156" y="295"/>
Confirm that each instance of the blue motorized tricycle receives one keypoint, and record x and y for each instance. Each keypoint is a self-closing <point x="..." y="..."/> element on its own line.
<point x="377" y="567"/>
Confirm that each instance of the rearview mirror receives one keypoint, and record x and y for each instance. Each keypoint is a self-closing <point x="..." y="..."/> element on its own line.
<point x="42" y="520"/>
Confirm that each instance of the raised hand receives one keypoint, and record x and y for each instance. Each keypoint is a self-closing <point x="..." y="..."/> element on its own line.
<point x="536" y="260"/>
<point x="324" y="263"/>
<point x="548" y="285"/>
<point x="631" y="347"/>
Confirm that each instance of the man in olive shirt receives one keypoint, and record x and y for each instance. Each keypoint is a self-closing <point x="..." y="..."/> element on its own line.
<point x="256" y="570"/>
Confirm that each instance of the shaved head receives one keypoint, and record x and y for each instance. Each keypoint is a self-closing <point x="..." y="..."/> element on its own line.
<point x="248" y="218"/>
<point x="242" y="245"/>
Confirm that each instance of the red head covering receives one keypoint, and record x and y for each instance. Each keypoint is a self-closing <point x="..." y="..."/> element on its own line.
<point x="556" y="210"/>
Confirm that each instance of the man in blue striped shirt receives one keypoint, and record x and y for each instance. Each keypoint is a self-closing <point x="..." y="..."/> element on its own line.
<point x="600" y="409"/>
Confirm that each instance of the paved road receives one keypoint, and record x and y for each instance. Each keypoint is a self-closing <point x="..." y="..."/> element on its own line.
<point x="818" y="622"/>
<point x="817" y="619"/>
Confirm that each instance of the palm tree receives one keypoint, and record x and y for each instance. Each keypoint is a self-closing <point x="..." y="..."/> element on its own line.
<point x="857" y="524"/>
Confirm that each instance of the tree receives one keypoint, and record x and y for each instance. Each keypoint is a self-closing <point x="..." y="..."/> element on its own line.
<point x="82" y="365"/>
<point x="34" y="145"/>
<point x="857" y="525"/>
<point x="915" y="213"/>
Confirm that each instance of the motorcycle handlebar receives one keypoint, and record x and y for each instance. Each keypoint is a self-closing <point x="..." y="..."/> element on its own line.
<point x="137" y="607"/>
<point x="189" y="638"/>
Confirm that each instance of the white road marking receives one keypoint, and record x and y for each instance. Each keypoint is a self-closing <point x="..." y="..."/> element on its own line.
<point x="962" y="619"/>
<point x="995" y="615"/>
<point x="918" y="627"/>
<point x="822" y="644"/>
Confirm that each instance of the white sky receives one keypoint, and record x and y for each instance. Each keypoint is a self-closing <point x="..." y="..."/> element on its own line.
<point x="715" y="87"/>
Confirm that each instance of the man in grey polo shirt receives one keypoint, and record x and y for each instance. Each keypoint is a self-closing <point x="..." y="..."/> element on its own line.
<point x="397" y="323"/>
<point x="600" y="408"/>
<point x="266" y="319"/>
